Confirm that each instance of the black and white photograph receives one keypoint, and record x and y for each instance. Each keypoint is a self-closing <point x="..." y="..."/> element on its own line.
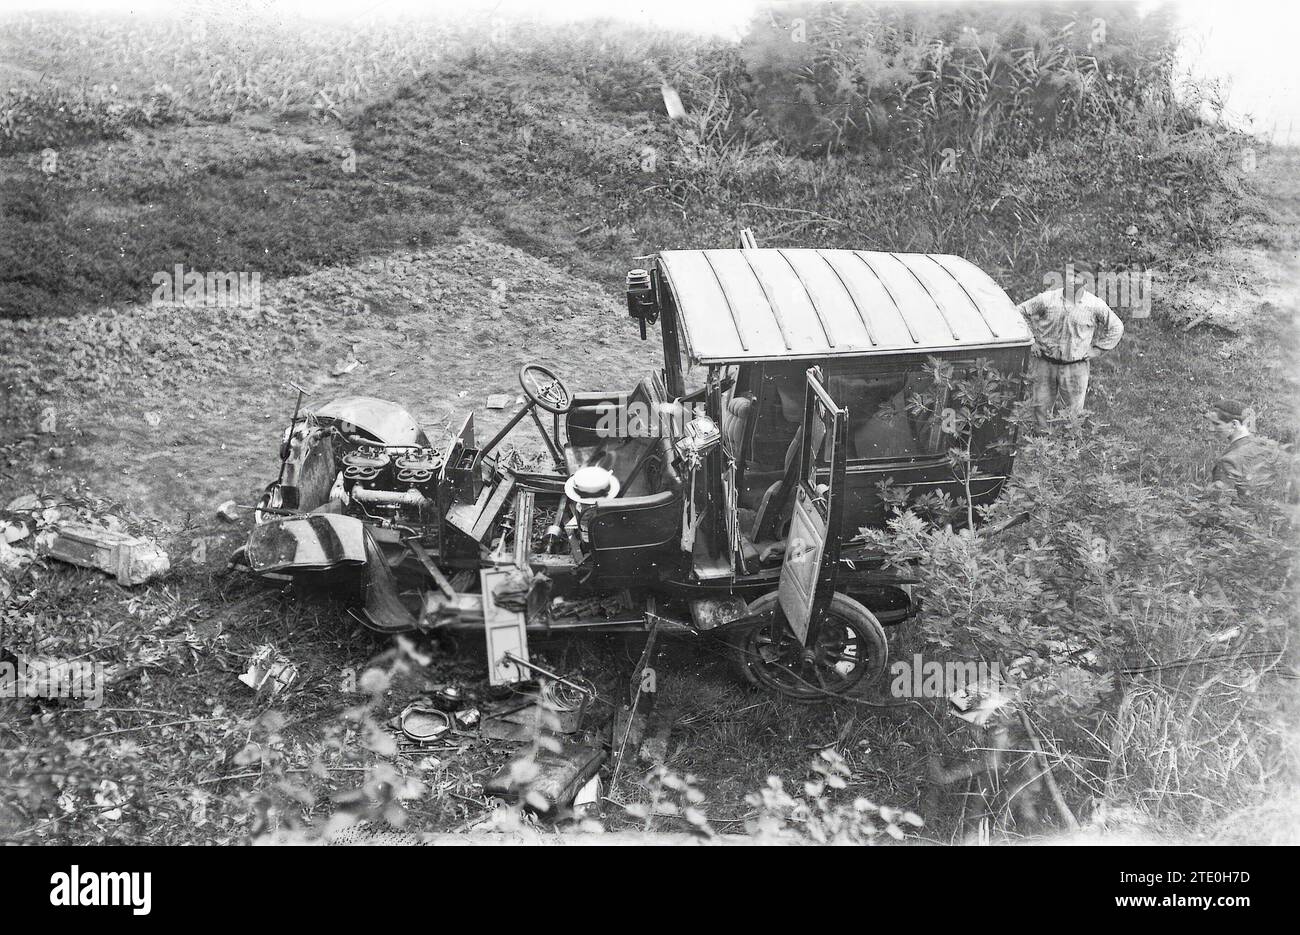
<point x="669" y="423"/>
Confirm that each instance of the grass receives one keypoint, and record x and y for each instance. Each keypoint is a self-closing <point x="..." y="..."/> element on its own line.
<point x="97" y="239"/>
<point x="568" y="156"/>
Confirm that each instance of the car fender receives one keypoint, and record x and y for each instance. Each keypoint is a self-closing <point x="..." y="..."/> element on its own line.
<point x="385" y="421"/>
<point x="314" y="542"/>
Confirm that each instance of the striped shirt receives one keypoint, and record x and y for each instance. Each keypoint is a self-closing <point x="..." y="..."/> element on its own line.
<point x="1068" y="331"/>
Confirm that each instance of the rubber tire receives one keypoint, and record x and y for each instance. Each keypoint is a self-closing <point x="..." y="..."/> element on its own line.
<point x="843" y="609"/>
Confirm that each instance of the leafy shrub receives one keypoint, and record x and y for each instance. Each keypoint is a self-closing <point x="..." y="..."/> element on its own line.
<point x="819" y="814"/>
<point x="1085" y="604"/>
<point x="973" y="408"/>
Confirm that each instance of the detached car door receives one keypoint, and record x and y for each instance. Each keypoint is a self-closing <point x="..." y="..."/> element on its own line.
<point x="813" y="546"/>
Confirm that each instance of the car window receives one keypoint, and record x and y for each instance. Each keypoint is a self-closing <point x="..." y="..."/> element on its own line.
<point x="778" y="390"/>
<point x="694" y="376"/>
<point x="881" y="426"/>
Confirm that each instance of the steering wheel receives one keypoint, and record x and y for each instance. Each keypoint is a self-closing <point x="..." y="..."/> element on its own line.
<point x="545" y="389"/>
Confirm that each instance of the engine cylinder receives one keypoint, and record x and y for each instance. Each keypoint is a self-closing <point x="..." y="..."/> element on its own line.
<point x="366" y="464"/>
<point x="417" y="467"/>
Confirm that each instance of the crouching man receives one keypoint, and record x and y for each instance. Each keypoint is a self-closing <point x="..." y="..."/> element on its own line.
<point x="1071" y="326"/>
<point x="1251" y="464"/>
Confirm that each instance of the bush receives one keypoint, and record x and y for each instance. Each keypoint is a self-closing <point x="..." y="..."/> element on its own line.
<point x="1138" y="622"/>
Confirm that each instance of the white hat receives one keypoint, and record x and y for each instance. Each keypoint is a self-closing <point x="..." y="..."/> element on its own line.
<point x="590" y="484"/>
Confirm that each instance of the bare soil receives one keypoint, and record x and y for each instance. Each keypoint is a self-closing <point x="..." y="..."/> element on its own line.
<point x="173" y="410"/>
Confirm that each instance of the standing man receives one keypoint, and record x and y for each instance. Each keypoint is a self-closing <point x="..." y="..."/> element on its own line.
<point x="1251" y="463"/>
<point x="1070" y="326"/>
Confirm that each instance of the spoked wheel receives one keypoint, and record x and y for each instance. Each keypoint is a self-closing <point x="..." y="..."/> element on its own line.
<point x="850" y="652"/>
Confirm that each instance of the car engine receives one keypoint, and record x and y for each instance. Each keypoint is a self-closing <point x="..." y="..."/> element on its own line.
<point x="397" y="484"/>
<point x="330" y="465"/>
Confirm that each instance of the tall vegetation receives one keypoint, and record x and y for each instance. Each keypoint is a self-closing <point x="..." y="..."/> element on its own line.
<point x="1140" y="624"/>
<point x="1017" y="136"/>
<point x="896" y="79"/>
<point x="94" y="77"/>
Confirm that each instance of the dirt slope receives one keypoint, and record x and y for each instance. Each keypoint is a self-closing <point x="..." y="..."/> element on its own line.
<point x="173" y="409"/>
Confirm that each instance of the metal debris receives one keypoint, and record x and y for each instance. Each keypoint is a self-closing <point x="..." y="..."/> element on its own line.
<point x="467" y="719"/>
<point x="554" y="776"/>
<point x="448" y="698"/>
<point x="523" y="717"/>
<point x="130" y="559"/>
<point x="587" y="802"/>
<point x="269" y="670"/>
<point x="424" y="723"/>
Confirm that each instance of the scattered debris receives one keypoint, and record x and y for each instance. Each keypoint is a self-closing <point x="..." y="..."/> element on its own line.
<point x="424" y="723"/>
<point x="228" y="511"/>
<point x="131" y="559"/>
<point x="521" y="717"/>
<point x="448" y="698"/>
<point x="547" y="779"/>
<point x="109" y="799"/>
<point x="976" y="703"/>
<point x="269" y="670"/>
<point x="587" y="802"/>
<point x="344" y="366"/>
<point x="467" y="719"/>
<point x="153" y="419"/>
<point x="11" y="559"/>
<point x="672" y="102"/>
<point x="498" y="400"/>
<point x="13" y="532"/>
<point x="26" y="503"/>
<point x="571" y="694"/>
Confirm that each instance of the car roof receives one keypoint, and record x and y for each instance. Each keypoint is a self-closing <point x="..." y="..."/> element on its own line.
<point x="780" y="304"/>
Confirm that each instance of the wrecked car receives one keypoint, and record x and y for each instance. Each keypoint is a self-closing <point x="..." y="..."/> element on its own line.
<point x="719" y="497"/>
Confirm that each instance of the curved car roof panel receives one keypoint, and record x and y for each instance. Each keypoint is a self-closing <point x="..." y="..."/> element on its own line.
<point x="773" y="304"/>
